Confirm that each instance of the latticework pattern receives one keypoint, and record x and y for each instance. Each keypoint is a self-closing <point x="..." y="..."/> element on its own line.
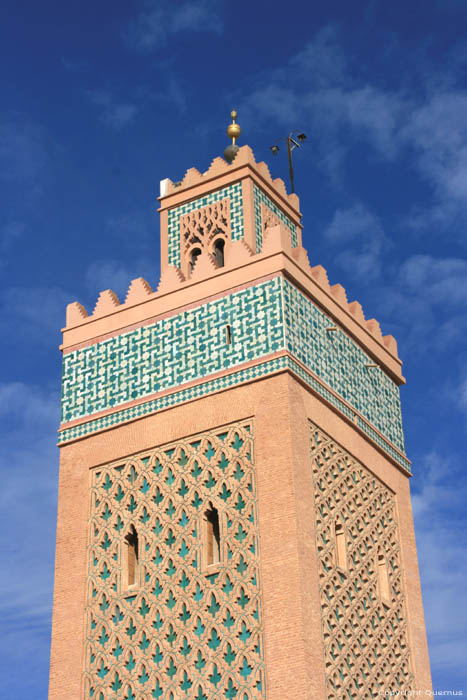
<point x="365" y="636"/>
<point x="201" y="226"/>
<point x="185" y="629"/>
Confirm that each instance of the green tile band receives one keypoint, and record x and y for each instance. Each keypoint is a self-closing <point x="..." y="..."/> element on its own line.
<point x="192" y="345"/>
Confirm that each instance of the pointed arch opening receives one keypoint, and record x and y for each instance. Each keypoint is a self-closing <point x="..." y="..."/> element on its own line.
<point x="194" y="255"/>
<point x="212" y="543"/>
<point x="132" y="555"/>
<point x="219" y="247"/>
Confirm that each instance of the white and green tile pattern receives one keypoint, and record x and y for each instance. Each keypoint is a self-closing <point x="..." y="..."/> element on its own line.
<point x="232" y="192"/>
<point x="342" y="364"/>
<point x="261" y="198"/>
<point x="176" y="350"/>
<point x="192" y="346"/>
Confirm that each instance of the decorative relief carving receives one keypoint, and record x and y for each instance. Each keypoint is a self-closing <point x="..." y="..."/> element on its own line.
<point x="200" y="228"/>
<point x="364" y="632"/>
<point x="184" y="629"/>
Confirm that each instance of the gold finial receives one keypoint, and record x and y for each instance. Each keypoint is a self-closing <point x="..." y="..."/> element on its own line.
<point x="233" y="132"/>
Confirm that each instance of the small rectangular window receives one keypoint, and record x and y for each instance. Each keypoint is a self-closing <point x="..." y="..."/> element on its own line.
<point x="341" y="554"/>
<point x="383" y="579"/>
<point x="228" y="335"/>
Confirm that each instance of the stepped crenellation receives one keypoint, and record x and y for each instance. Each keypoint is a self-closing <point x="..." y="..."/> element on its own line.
<point x="220" y="167"/>
<point x="276" y="240"/>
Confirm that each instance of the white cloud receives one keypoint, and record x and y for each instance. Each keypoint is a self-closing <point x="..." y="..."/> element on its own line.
<point x="359" y="237"/>
<point x="153" y="27"/>
<point x="438" y="505"/>
<point x="437" y="280"/>
<point x="115" y="275"/>
<point x="35" y="308"/>
<point x="426" y="126"/>
<point x="28" y="464"/>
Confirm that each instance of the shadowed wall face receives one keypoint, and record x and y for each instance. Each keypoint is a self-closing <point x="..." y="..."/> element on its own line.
<point x="363" y="602"/>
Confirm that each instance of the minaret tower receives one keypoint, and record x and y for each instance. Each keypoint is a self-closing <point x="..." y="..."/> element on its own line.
<point x="234" y="518"/>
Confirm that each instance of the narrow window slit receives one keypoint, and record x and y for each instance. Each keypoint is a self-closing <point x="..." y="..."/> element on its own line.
<point x="383" y="578"/>
<point x="341" y="553"/>
<point x="212" y="536"/>
<point x="194" y="255"/>
<point x="131" y="540"/>
<point x="228" y="335"/>
<point x="219" y="246"/>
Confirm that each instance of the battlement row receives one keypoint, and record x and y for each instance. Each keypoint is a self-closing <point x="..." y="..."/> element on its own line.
<point x="238" y="256"/>
<point x="220" y="167"/>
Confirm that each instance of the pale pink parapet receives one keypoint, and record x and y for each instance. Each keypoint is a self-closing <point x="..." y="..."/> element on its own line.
<point x="171" y="278"/>
<point x="239" y="253"/>
<point x="75" y="313"/>
<point x="300" y="255"/>
<point x="374" y="328"/>
<point x="139" y="290"/>
<point x="320" y="276"/>
<point x="107" y="302"/>
<point x="339" y="293"/>
<point x="390" y="343"/>
<point x="276" y="240"/>
<point x="205" y="265"/>
<point x="220" y="167"/>
<point x="356" y="310"/>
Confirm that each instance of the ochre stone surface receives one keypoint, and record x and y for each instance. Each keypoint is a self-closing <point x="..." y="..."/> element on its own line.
<point x="281" y="410"/>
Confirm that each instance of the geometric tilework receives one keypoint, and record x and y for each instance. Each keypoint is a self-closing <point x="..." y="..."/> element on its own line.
<point x="365" y="634"/>
<point x="184" y="630"/>
<point x="173" y="351"/>
<point x="172" y="399"/>
<point x="232" y="192"/>
<point x="261" y="198"/>
<point x="191" y="346"/>
<point x="344" y="408"/>
<point x="341" y="363"/>
<point x="227" y="381"/>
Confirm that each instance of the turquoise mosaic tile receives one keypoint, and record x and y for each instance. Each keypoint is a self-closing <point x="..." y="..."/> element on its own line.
<point x="260" y="198"/>
<point x="341" y="364"/>
<point x="192" y="345"/>
<point x="343" y="408"/>
<point x="173" y="351"/>
<point x="178" y="397"/>
<point x="232" y="192"/>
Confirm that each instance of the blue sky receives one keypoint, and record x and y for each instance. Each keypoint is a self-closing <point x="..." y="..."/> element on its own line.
<point x="100" y="101"/>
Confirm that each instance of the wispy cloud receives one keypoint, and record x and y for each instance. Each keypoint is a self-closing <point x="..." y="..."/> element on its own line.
<point x="37" y="312"/>
<point x="359" y="237"/>
<point x="113" y="112"/>
<point x="28" y="464"/>
<point x="116" y="275"/>
<point x="425" y="124"/>
<point x="160" y="20"/>
<point x="439" y="503"/>
<point x="439" y="280"/>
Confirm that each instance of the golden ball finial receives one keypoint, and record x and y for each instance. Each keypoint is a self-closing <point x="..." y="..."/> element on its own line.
<point x="233" y="130"/>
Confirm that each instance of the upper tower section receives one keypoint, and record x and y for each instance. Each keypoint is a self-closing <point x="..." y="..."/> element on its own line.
<point x="237" y="300"/>
<point x="209" y="216"/>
